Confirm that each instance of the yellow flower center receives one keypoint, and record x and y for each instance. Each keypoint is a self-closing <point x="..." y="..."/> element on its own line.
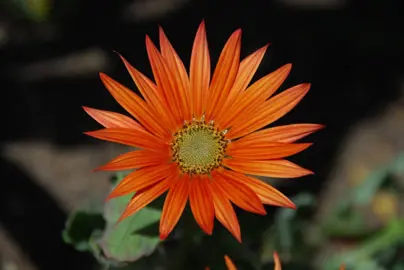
<point x="198" y="148"/>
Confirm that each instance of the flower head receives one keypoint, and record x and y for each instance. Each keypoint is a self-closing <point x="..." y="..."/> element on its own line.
<point x="199" y="138"/>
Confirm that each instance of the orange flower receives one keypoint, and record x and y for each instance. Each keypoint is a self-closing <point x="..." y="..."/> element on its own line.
<point x="198" y="137"/>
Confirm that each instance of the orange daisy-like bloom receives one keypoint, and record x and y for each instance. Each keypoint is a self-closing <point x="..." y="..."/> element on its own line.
<point x="198" y="136"/>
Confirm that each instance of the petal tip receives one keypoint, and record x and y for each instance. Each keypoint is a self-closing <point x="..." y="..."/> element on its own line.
<point x="162" y="35"/>
<point x="88" y="133"/>
<point x="291" y="205"/>
<point x="104" y="77"/>
<point x="202" y="24"/>
<point x="122" y="217"/>
<point x="163" y="236"/>
<point x="262" y="212"/>
<point x="100" y="168"/>
<point x="237" y="34"/>
<point x="148" y="40"/>
<point x="308" y="172"/>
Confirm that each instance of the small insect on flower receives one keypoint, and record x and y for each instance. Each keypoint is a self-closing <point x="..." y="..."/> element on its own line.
<point x="200" y="138"/>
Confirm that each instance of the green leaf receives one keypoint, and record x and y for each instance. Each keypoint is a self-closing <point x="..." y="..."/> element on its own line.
<point x="79" y="228"/>
<point x="126" y="241"/>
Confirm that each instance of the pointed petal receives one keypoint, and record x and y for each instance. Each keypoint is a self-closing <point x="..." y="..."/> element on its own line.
<point x="132" y="137"/>
<point x="145" y="196"/>
<point x="277" y="262"/>
<point x="267" y="194"/>
<point x="255" y="95"/>
<point x="180" y="74"/>
<point x="342" y="267"/>
<point x="166" y="82"/>
<point x="174" y="205"/>
<point x="270" y="111"/>
<point x="247" y="69"/>
<point x="224" y="75"/>
<point x="135" y="159"/>
<point x="149" y="91"/>
<point x="272" y="168"/>
<point x="238" y="193"/>
<point x="142" y="178"/>
<point x="230" y="265"/>
<point x="284" y="134"/>
<point x="255" y="150"/>
<point x="112" y="119"/>
<point x="224" y="212"/>
<point x="133" y="104"/>
<point x="199" y="72"/>
<point x="200" y="199"/>
<point x="245" y="73"/>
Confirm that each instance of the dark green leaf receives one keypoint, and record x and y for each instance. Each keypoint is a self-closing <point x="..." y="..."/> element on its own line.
<point x="79" y="228"/>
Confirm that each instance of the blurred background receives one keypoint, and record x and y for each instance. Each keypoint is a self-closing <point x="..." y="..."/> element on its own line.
<point x="352" y="51"/>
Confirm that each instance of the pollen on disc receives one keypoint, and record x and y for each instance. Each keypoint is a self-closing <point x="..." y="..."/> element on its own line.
<point x="198" y="148"/>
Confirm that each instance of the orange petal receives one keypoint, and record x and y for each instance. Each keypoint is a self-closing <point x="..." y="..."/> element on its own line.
<point x="255" y="150"/>
<point x="150" y="94"/>
<point x="133" y="104"/>
<point x="180" y="74"/>
<point x="135" y="159"/>
<point x="146" y="196"/>
<point x="112" y="119"/>
<point x="255" y="95"/>
<point x="142" y="178"/>
<point x="230" y="265"/>
<point x="224" y="75"/>
<point x="277" y="262"/>
<point x="285" y="134"/>
<point x="166" y="82"/>
<point x="224" y="212"/>
<point x="270" y="111"/>
<point x="342" y="267"/>
<point x="200" y="199"/>
<point x="174" y="205"/>
<point x="272" y="168"/>
<point x="132" y="137"/>
<point x="245" y="73"/>
<point x="199" y="72"/>
<point x="238" y="193"/>
<point x="267" y="194"/>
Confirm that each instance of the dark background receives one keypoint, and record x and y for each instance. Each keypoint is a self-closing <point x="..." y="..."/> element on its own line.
<point x="351" y="52"/>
